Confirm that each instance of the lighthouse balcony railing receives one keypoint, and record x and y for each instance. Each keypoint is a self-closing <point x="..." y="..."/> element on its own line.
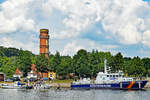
<point x="44" y="37"/>
<point x="44" y="46"/>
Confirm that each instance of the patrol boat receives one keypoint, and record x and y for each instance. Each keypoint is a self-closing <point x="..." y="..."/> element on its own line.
<point x="106" y="80"/>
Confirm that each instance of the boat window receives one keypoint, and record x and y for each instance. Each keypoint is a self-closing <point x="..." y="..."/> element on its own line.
<point x="107" y="75"/>
<point x="116" y="75"/>
<point x="110" y="75"/>
<point x="113" y="75"/>
<point x="120" y="75"/>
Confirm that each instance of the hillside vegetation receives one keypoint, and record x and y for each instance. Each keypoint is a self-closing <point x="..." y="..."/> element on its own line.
<point x="82" y="64"/>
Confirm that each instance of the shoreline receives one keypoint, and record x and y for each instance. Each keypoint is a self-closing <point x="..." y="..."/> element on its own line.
<point x="62" y="84"/>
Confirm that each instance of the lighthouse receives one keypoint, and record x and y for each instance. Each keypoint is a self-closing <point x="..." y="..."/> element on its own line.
<point x="44" y="42"/>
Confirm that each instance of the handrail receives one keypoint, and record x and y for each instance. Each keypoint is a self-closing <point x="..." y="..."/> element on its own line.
<point x="44" y="37"/>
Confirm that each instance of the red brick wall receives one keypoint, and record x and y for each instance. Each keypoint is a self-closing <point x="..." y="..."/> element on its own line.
<point x="44" y="42"/>
<point x="44" y="75"/>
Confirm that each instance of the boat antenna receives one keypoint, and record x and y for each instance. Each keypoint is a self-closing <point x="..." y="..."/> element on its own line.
<point x="105" y="66"/>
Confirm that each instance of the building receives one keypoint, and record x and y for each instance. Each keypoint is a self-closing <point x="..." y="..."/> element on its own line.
<point x="44" y="42"/>
<point x="2" y="76"/>
<point x="33" y="73"/>
<point x="44" y="46"/>
<point x="17" y="74"/>
<point x="51" y="75"/>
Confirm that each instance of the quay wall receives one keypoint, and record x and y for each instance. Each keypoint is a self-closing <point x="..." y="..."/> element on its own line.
<point x="62" y="85"/>
<point x="67" y="85"/>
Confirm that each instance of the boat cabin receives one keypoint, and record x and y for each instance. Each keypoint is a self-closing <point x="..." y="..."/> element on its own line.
<point x="111" y="77"/>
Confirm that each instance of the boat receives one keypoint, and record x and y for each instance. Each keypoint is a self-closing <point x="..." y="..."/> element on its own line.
<point x="16" y="85"/>
<point x="108" y="80"/>
<point x="41" y="85"/>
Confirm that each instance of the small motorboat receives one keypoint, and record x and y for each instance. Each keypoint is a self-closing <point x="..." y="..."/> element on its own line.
<point x="42" y="86"/>
<point x="15" y="85"/>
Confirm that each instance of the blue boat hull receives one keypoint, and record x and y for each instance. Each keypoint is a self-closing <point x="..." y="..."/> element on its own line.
<point x="135" y="85"/>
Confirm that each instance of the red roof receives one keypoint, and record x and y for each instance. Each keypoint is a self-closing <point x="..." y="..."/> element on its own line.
<point x="33" y="68"/>
<point x="17" y="72"/>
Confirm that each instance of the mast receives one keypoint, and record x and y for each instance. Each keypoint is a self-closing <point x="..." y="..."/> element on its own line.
<point x="105" y="66"/>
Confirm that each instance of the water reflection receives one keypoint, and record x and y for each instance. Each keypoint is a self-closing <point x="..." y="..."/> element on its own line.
<point x="66" y="94"/>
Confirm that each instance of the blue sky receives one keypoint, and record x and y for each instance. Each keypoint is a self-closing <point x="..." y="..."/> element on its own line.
<point x="1" y="1"/>
<point x="105" y="25"/>
<point x="146" y="0"/>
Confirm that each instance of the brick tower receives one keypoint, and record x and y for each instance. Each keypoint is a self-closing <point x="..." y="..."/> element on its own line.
<point x="44" y="42"/>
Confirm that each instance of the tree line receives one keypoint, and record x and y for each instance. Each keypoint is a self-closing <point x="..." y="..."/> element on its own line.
<point x="82" y="64"/>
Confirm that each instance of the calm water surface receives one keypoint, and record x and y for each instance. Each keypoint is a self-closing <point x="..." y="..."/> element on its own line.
<point x="66" y="94"/>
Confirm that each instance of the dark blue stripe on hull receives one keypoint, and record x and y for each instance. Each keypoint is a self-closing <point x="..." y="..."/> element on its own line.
<point x="81" y="86"/>
<point x="123" y="85"/>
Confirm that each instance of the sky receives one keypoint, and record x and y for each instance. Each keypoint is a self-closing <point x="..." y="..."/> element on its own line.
<point x="104" y="25"/>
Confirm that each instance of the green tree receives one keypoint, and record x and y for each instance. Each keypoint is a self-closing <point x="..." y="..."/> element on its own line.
<point x="9" y="52"/>
<point x="11" y="58"/>
<point x="117" y="62"/>
<point x="55" y="62"/>
<point x="94" y="63"/>
<point x="136" y="67"/>
<point x="65" y="67"/>
<point x="7" y="66"/>
<point x="24" y="62"/>
<point x="81" y="63"/>
<point x="146" y="62"/>
<point x="2" y="54"/>
<point x="42" y="63"/>
<point x="127" y="61"/>
<point x="103" y="56"/>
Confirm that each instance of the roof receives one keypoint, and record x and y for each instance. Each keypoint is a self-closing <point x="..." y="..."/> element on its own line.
<point x="18" y="72"/>
<point x="33" y="68"/>
<point x="43" y="30"/>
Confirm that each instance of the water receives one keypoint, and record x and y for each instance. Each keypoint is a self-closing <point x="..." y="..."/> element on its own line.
<point x="66" y="94"/>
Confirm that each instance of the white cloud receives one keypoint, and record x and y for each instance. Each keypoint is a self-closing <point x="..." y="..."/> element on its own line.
<point x="29" y="45"/>
<point x="74" y="46"/>
<point x="78" y="16"/>
<point x="146" y="38"/>
<point x="71" y="48"/>
<point x="65" y="34"/>
<point x="124" y="19"/>
<point x="13" y="16"/>
<point x="127" y="21"/>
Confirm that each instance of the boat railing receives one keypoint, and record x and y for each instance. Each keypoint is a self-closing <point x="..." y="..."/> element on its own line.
<point x="140" y="78"/>
<point x="82" y="81"/>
